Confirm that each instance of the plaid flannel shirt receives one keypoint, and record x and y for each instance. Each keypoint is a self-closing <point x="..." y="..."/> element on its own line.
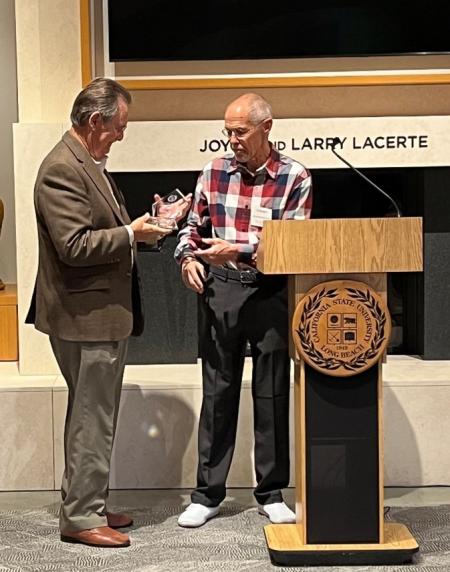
<point x="227" y="194"/>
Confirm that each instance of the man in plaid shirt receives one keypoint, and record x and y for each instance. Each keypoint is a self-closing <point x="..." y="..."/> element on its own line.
<point x="217" y="252"/>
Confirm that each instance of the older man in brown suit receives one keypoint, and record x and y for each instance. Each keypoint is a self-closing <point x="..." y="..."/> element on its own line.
<point x="87" y="300"/>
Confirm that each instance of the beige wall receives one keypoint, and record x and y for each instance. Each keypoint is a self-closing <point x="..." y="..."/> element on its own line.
<point x="48" y="58"/>
<point x="8" y="115"/>
<point x="49" y="77"/>
<point x="297" y="102"/>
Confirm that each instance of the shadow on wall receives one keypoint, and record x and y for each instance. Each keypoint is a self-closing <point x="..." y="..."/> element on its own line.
<point x="402" y="461"/>
<point x="156" y="442"/>
<point x="156" y="431"/>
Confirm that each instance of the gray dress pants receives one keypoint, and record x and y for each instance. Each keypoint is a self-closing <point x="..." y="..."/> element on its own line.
<point x="93" y="372"/>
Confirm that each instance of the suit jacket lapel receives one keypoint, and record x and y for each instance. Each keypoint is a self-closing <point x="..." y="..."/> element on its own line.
<point x="119" y="197"/>
<point x="93" y="172"/>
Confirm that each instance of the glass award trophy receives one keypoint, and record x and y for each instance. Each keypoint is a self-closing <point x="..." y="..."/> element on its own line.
<point x="168" y="208"/>
<point x="165" y="212"/>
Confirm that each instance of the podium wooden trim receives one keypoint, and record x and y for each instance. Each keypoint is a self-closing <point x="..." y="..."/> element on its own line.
<point x="286" y="547"/>
<point x="8" y="323"/>
<point x="312" y="252"/>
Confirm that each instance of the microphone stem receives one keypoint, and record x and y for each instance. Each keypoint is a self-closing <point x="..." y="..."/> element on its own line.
<point x="369" y="181"/>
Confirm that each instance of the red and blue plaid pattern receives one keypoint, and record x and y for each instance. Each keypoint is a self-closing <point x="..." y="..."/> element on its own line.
<point x="227" y="193"/>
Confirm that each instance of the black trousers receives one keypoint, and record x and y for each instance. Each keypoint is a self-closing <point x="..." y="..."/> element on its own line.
<point x="233" y="314"/>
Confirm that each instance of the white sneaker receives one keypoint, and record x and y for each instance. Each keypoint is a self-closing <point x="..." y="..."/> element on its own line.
<point x="196" y="515"/>
<point x="277" y="512"/>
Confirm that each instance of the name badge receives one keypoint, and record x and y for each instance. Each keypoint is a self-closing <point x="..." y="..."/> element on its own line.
<point x="259" y="215"/>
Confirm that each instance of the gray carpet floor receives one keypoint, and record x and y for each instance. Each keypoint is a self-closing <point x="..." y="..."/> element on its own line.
<point x="233" y="541"/>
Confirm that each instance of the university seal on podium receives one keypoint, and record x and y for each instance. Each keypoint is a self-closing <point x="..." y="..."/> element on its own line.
<point x="341" y="328"/>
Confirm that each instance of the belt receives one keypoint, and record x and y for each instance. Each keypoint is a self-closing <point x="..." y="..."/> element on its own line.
<point x="243" y="276"/>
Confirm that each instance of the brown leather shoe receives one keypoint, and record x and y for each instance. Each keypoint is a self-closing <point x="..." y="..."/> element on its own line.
<point x="103" y="537"/>
<point x="117" y="520"/>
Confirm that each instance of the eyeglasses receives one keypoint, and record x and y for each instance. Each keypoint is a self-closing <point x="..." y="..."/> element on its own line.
<point x="240" y="132"/>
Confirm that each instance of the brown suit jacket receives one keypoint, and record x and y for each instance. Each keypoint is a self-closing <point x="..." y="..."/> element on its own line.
<point x="86" y="287"/>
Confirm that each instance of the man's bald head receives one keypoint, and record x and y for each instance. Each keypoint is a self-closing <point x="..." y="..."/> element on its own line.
<point x="249" y="107"/>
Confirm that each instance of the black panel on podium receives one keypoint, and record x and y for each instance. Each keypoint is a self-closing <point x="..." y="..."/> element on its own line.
<point x="342" y="457"/>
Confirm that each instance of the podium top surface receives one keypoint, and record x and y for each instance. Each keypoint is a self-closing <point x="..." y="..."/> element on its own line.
<point x="328" y="246"/>
<point x="8" y="296"/>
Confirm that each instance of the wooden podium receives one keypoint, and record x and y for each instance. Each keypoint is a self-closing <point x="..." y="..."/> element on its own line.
<point x="9" y="348"/>
<point x="340" y="327"/>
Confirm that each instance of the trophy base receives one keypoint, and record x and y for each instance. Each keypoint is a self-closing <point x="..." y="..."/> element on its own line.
<point x="286" y="548"/>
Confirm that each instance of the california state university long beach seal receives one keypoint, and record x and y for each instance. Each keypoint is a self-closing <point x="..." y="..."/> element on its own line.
<point x="341" y="328"/>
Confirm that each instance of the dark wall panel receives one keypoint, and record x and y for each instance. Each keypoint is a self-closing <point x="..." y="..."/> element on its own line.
<point x="170" y="334"/>
<point x="418" y="302"/>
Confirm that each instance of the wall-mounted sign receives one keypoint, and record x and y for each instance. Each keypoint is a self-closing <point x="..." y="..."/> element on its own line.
<point x="364" y="141"/>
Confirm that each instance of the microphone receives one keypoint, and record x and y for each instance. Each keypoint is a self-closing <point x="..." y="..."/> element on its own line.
<point x="337" y="141"/>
